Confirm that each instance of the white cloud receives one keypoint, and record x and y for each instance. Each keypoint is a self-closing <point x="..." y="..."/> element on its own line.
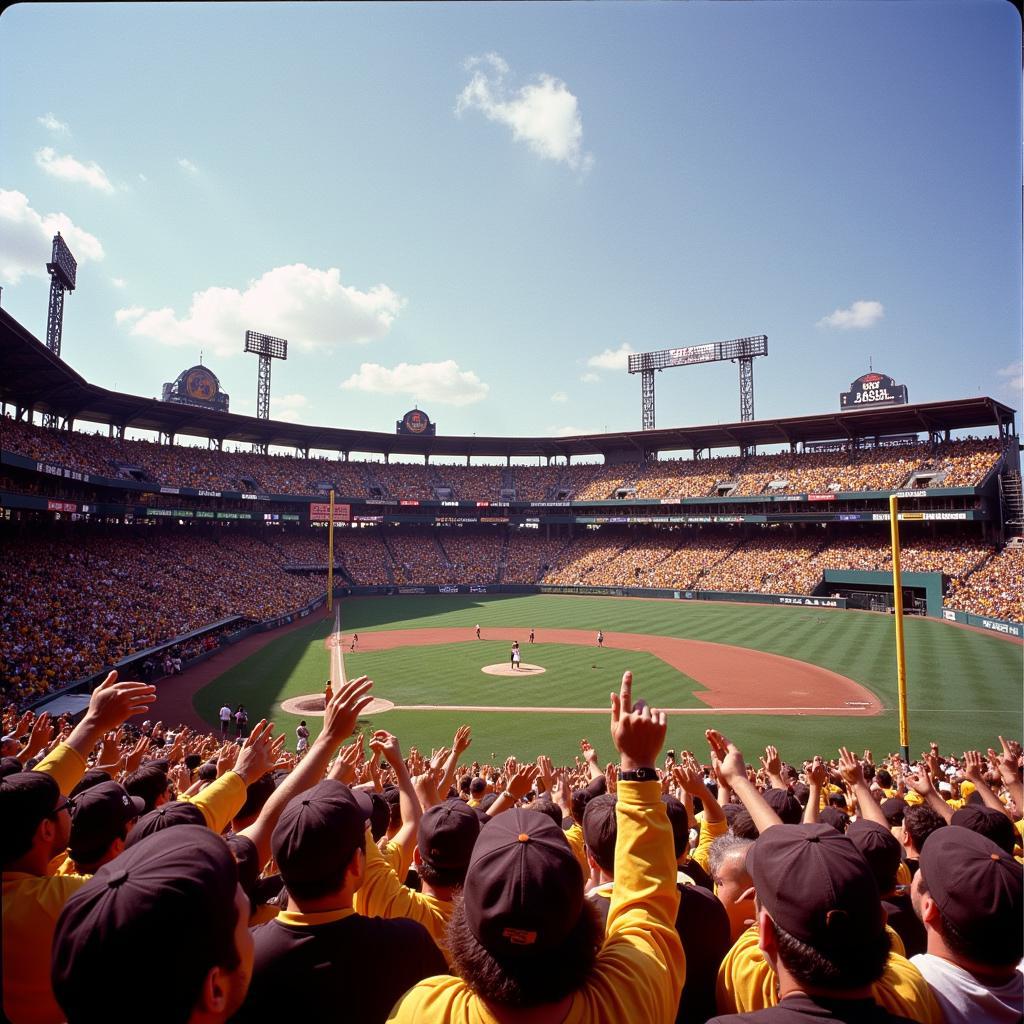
<point x="186" y="165"/>
<point x="28" y="238"/>
<point x="118" y="282"/>
<point x="544" y="114"/>
<point x="67" y="168"/>
<point x="559" y="396"/>
<point x="610" y="359"/>
<point x="309" y="307"/>
<point x="863" y="313"/>
<point x="1012" y="380"/>
<point x="590" y="377"/>
<point x="428" y="382"/>
<point x="52" y="124"/>
<point x="288" y="407"/>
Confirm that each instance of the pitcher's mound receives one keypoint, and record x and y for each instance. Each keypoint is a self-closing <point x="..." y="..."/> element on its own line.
<point x="505" y="669"/>
<point x="313" y="705"/>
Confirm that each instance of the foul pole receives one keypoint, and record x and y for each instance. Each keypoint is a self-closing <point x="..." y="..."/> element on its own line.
<point x="330" y="555"/>
<point x="338" y="678"/>
<point x="897" y="592"/>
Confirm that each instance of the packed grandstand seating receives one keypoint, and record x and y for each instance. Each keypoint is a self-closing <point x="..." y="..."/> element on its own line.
<point x="954" y="464"/>
<point x="80" y="598"/>
<point x="232" y="839"/>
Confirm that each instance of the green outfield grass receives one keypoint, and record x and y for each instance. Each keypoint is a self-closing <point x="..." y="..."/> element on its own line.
<point x="964" y="687"/>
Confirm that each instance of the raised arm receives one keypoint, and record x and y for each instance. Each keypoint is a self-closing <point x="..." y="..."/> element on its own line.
<point x="817" y="776"/>
<point x="339" y="720"/>
<point x="384" y="744"/>
<point x="974" y="770"/>
<point x="730" y="766"/>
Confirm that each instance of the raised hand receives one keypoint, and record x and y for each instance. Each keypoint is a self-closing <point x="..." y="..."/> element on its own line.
<point x="225" y="759"/>
<point x="771" y="761"/>
<point x="39" y="737"/>
<point x="589" y="753"/>
<point x="384" y="744"/>
<point x="522" y="780"/>
<point x="726" y="758"/>
<point x="817" y="774"/>
<point x="546" y="772"/>
<point x="344" y="769"/>
<point x="342" y="713"/>
<point x="974" y="766"/>
<point x="112" y="703"/>
<point x="850" y="769"/>
<point x="463" y="738"/>
<point x="257" y="753"/>
<point x="638" y="731"/>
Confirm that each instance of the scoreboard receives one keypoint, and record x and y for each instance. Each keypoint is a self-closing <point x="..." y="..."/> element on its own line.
<point x="873" y="389"/>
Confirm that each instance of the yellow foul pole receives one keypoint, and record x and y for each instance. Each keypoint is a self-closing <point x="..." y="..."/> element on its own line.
<point x="330" y="556"/>
<point x="897" y="591"/>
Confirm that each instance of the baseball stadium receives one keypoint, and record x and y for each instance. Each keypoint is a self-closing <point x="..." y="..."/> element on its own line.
<point x="511" y="513"/>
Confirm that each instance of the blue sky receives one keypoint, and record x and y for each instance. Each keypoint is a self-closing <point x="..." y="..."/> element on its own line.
<point x="482" y="208"/>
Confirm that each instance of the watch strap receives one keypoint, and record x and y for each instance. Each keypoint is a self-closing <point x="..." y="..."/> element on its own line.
<point x="639" y="775"/>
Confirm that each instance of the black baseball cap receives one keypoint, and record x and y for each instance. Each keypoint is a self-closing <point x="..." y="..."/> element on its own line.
<point x="817" y="886"/>
<point x="175" y="812"/>
<point x="26" y="798"/>
<point x="93" y="777"/>
<point x="524" y="888"/>
<point x="10" y="766"/>
<point x="834" y="817"/>
<point x="881" y="849"/>
<point x="894" y="808"/>
<point x="977" y="886"/>
<point x="987" y="822"/>
<point x="785" y="805"/>
<point x="100" y="816"/>
<point x="319" y="831"/>
<point x="168" y="902"/>
<point x="448" y="833"/>
<point x="600" y="829"/>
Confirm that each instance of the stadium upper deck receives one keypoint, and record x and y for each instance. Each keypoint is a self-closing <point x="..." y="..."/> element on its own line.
<point x="35" y="380"/>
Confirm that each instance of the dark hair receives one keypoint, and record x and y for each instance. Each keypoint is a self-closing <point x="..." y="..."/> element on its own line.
<point x="920" y="822"/>
<point x="313" y="889"/>
<point x="438" y="878"/>
<point x="883" y="778"/>
<point x="869" y="771"/>
<point x="526" y="981"/>
<point x="837" y="800"/>
<point x="855" y="967"/>
<point x="743" y="825"/>
<point x="147" y="782"/>
<point x="579" y="803"/>
<point x="464" y="784"/>
<point x="552" y="810"/>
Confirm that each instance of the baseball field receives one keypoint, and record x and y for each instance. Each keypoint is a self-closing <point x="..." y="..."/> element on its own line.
<point x="804" y="679"/>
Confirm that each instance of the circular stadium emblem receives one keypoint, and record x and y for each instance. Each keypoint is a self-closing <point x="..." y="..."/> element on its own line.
<point x="416" y="421"/>
<point x="199" y="384"/>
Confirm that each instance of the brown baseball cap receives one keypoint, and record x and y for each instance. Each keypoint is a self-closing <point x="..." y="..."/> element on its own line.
<point x="978" y="889"/>
<point x="817" y="886"/>
<point x="524" y="888"/>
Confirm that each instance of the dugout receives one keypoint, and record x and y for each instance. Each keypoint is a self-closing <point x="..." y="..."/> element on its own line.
<point x="873" y="591"/>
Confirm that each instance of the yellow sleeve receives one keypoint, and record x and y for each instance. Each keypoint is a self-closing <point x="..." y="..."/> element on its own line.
<point x="64" y="765"/>
<point x="220" y="801"/>
<point x="895" y="942"/>
<point x="746" y="981"/>
<point x="903" y="991"/>
<point x="903" y="876"/>
<point x="709" y="832"/>
<point x="641" y="968"/>
<point x="579" y="848"/>
<point x="382" y="894"/>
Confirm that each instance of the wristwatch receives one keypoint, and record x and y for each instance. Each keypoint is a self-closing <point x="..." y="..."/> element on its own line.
<point x="639" y="775"/>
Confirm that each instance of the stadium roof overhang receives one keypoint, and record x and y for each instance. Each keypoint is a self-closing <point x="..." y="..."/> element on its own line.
<point x="33" y="377"/>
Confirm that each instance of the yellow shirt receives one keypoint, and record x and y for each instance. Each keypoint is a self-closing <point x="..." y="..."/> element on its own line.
<point x="746" y="982"/>
<point x="220" y="801"/>
<point x="639" y="972"/>
<point x="31" y="906"/>
<point x="382" y="894"/>
<point x="64" y="765"/>
<point x="579" y="848"/>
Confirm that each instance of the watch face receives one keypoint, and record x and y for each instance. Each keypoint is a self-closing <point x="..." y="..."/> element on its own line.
<point x="200" y="384"/>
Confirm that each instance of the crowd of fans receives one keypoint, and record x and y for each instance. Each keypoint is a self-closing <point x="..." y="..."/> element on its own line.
<point x="959" y="463"/>
<point x="77" y="600"/>
<point x="995" y="590"/>
<point x="356" y="878"/>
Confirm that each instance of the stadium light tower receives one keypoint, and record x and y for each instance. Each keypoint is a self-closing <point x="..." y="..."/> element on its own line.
<point x="739" y="350"/>
<point x="63" y="269"/>
<point x="267" y="348"/>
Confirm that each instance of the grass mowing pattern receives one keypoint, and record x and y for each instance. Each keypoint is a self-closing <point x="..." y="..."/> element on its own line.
<point x="963" y="686"/>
